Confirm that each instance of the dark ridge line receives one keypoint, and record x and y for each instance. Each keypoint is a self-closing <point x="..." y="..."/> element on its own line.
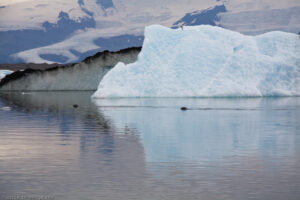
<point x="20" y="74"/>
<point x="106" y="52"/>
<point x="23" y="66"/>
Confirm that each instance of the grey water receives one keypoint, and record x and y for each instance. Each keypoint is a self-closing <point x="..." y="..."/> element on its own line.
<point x="221" y="148"/>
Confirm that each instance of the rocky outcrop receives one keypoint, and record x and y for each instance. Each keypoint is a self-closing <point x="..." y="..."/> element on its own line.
<point x="85" y="75"/>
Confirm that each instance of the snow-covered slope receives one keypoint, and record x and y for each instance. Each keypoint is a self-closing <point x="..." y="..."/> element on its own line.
<point x="208" y="16"/>
<point x="207" y="61"/>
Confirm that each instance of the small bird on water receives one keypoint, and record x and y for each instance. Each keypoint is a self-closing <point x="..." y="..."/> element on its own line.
<point x="183" y="108"/>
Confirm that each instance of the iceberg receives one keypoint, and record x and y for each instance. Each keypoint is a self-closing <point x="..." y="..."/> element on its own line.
<point x="207" y="61"/>
<point x="3" y="73"/>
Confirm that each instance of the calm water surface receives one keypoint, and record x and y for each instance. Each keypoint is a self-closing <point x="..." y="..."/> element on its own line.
<point x="148" y="149"/>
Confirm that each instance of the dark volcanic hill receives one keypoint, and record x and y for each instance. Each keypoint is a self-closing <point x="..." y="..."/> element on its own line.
<point x="85" y="75"/>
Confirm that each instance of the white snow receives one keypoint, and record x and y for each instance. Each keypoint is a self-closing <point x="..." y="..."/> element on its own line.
<point x="31" y="14"/>
<point x="3" y="73"/>
<point x="206" y="61"/>
<point x="81" y="41"/>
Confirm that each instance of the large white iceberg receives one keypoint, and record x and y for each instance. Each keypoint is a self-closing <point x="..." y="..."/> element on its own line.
<point x="206" y="61"/>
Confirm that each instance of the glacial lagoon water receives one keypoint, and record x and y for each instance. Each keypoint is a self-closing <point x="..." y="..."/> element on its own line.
<point x="222" y="148"/>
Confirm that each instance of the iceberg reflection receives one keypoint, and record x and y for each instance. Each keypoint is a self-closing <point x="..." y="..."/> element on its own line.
<point x="211" y="130"/>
